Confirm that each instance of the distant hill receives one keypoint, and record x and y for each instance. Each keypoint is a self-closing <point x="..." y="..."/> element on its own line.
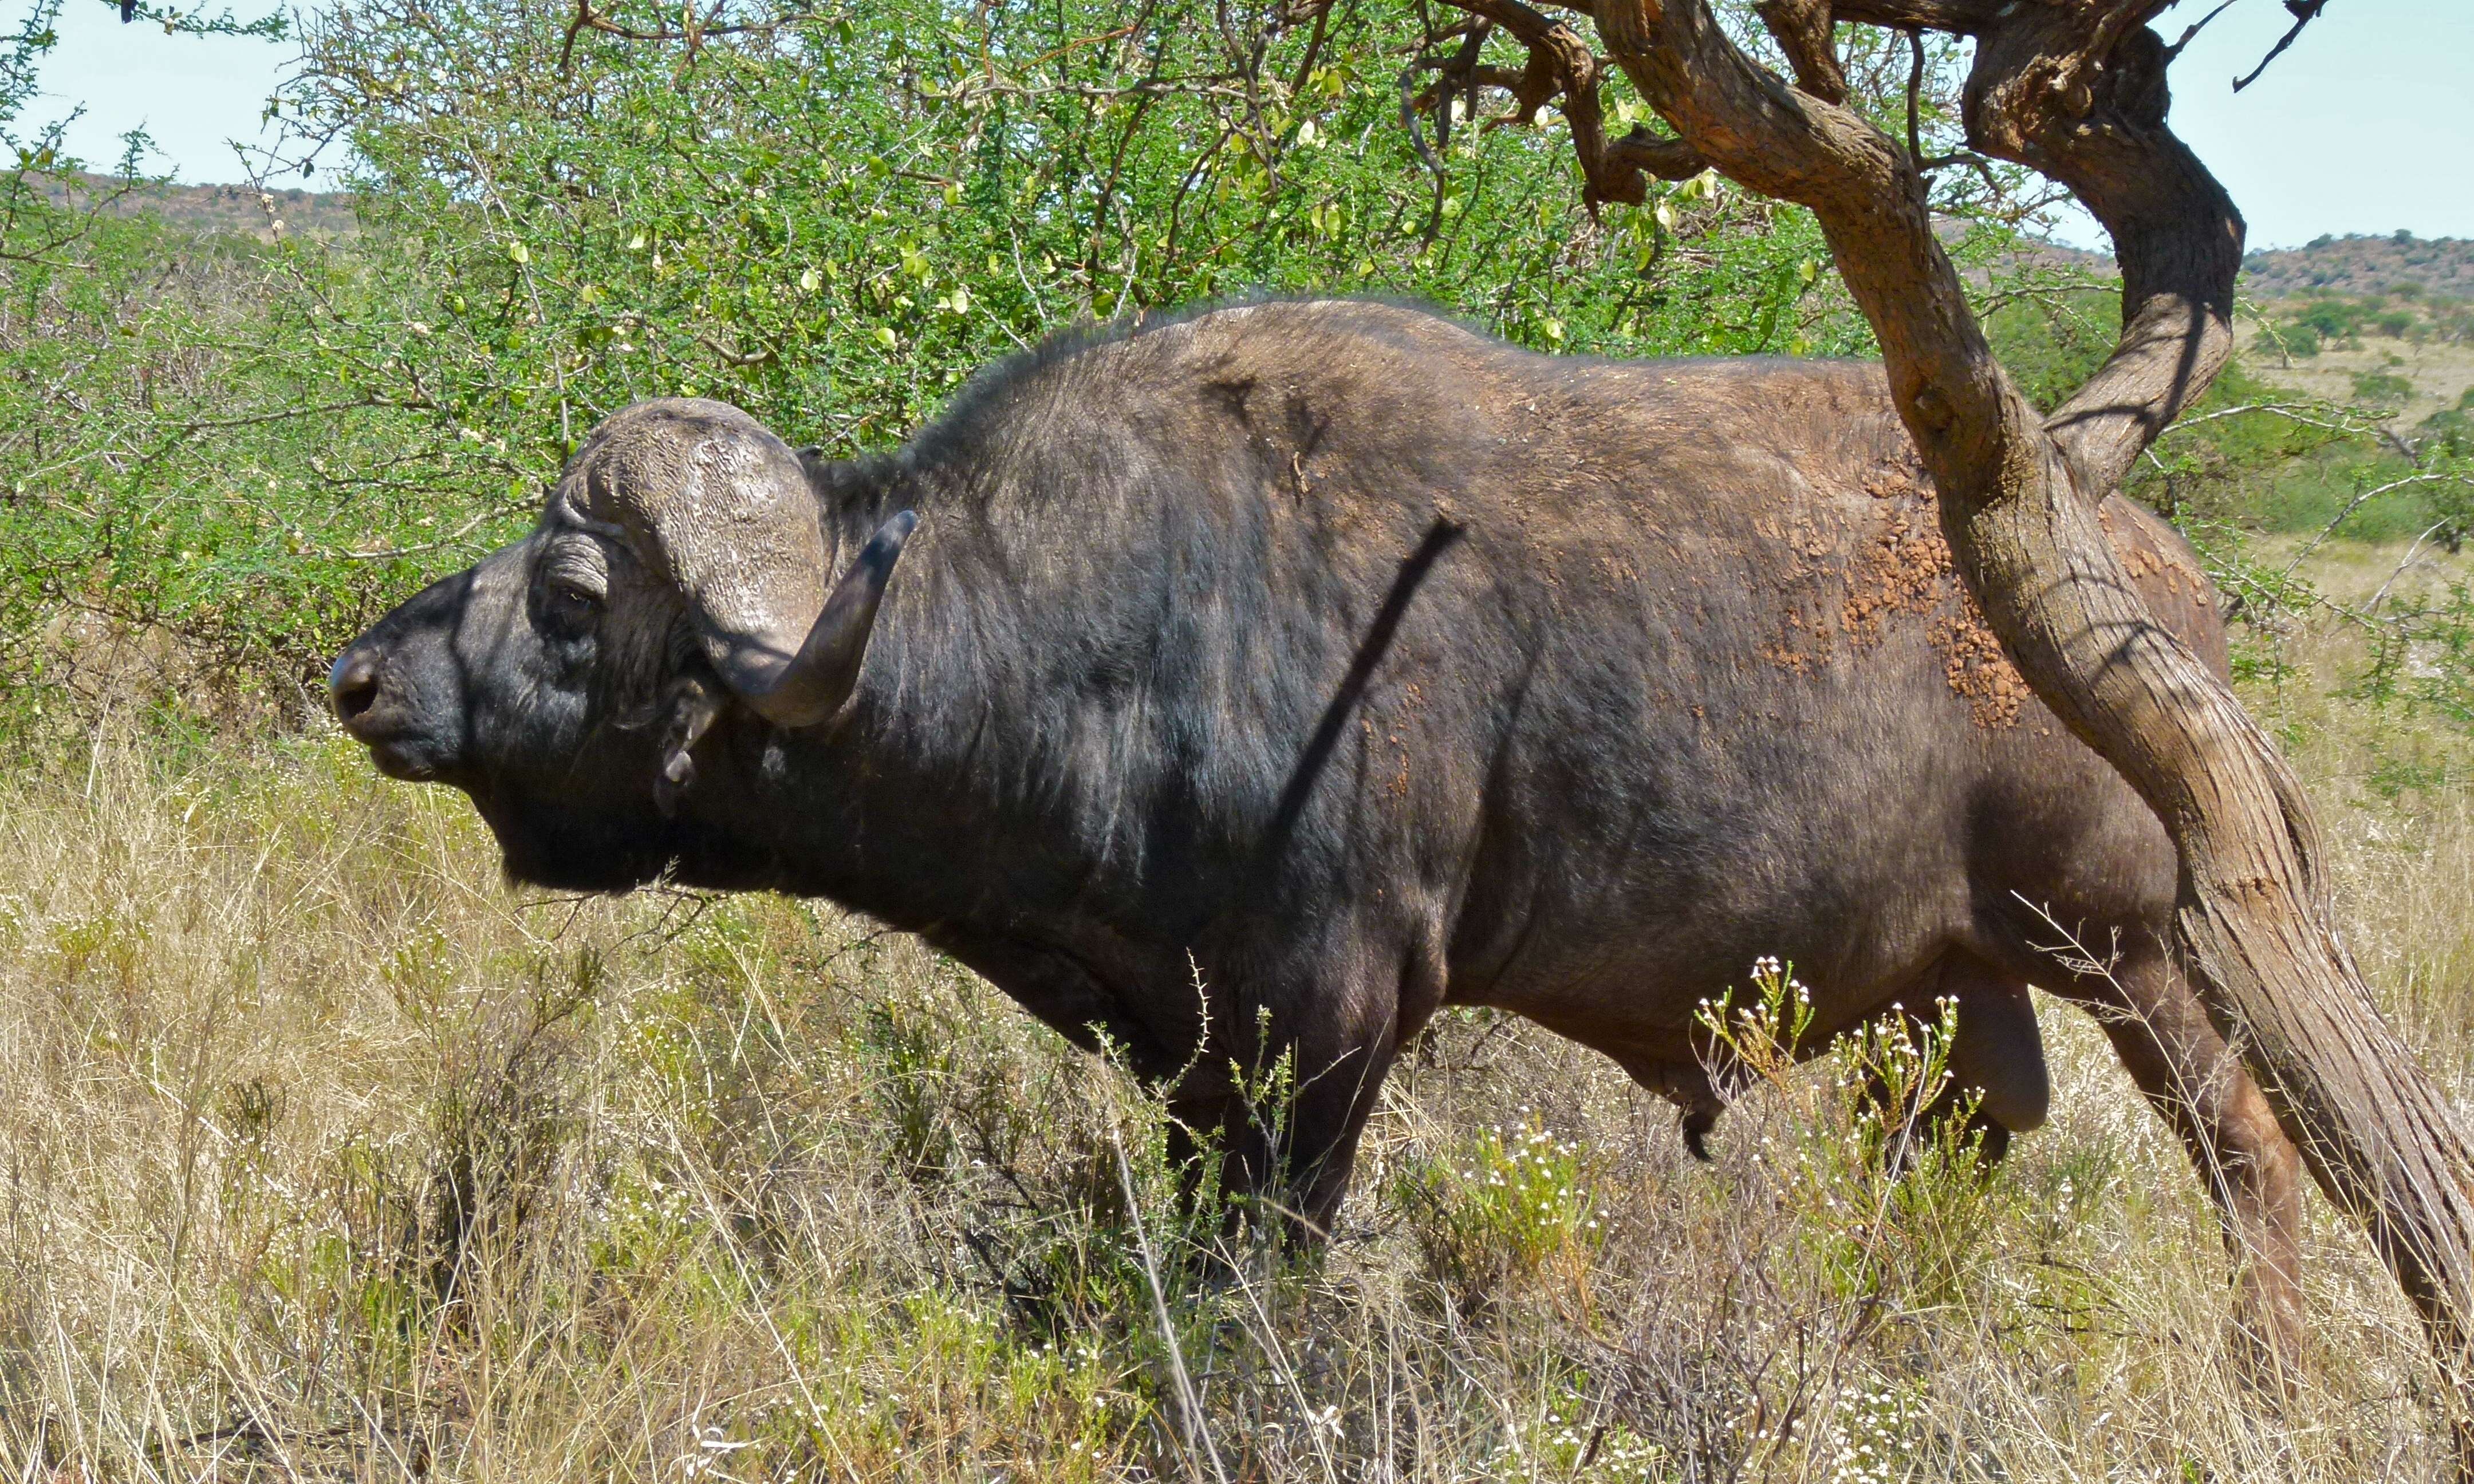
<point x="2357" y="265"/>
<point x="222" y="208"/>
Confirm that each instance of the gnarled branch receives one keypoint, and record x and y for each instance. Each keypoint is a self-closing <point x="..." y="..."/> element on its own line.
<point x="1804" y="30"/>
<point x="2097" y="125"/>
<point x="1561" y="64"/>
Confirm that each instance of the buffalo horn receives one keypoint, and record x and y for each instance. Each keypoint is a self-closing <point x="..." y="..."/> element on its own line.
<point x="727" y="512"/>
<point x="814" y="682"/>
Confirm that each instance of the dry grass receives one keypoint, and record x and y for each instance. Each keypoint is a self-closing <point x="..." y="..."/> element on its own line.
<point x="327" y="1156"/>
<point x="2440" y="372"/>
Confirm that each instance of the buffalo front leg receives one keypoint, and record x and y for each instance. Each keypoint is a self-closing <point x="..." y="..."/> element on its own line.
<point x="1286" y="1142"/>
<point x="1281" y="1097"/>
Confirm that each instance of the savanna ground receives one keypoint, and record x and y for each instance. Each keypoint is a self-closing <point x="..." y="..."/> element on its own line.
<point x="332" y="1158"/>
<point x="327" y="1156"/>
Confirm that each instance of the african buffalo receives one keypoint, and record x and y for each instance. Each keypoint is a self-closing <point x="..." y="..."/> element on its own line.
<point x="1347" y="664"/>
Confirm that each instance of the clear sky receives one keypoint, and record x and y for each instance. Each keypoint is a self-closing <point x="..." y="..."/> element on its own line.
<point x="2366" y="124"/>
<point x="193" y="94"/>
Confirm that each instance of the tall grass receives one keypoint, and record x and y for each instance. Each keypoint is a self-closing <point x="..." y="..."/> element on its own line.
<point x="326" y="1156"/>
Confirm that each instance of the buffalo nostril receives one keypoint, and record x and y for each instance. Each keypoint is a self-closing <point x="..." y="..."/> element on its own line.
<point x="354" y="684"/>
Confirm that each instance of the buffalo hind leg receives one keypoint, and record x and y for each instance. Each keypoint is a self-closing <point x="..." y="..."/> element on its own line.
<point x="2252" y="1172"/>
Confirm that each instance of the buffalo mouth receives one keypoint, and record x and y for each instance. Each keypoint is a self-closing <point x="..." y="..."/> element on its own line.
<point x="408" y="752"/>
<point x="401" y="743"/>
<point x="405" y="761"/>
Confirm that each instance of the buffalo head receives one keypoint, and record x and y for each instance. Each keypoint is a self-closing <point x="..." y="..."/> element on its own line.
<point x="681" y="577"/>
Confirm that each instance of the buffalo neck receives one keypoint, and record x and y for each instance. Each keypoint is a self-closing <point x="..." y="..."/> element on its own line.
<point x="996" y="726"/>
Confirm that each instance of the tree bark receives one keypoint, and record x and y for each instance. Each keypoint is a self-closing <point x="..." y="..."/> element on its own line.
<point x="2076" y="89"/>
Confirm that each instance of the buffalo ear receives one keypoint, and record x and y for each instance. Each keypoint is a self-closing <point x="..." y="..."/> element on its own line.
<point x="694" y="706"/>
<point x="815" y="683"/>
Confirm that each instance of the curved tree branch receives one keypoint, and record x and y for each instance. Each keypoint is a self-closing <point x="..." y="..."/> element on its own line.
<point x="1561" y="64"/>
<point x="2304" y="13"/>
<point x="2097" y="125"/>
<point x="1805" y="32"/>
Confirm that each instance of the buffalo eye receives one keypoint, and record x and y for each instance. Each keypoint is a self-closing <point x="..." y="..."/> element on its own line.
<point x="569" y="609"/>
<point x="574" y="587"/>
